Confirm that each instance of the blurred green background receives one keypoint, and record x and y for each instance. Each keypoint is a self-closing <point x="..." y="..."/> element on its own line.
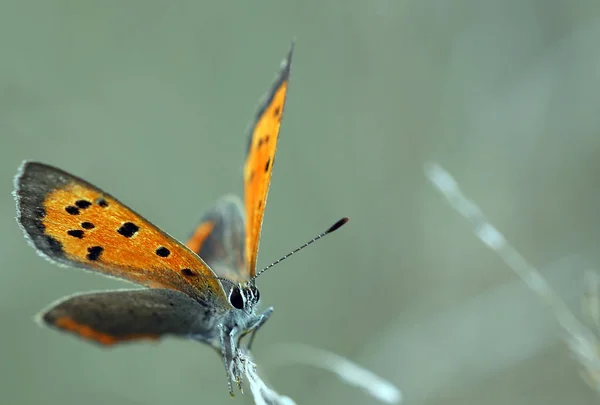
<point x="150" y="101"/>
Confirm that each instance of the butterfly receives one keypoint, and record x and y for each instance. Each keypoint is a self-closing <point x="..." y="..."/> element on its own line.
<point x="203" y="290"/>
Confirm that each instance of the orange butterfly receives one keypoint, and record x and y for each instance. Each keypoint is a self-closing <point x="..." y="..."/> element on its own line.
<point x="205" y="291"/>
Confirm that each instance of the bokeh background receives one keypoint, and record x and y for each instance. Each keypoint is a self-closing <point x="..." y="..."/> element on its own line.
<point x="150" y="100"/>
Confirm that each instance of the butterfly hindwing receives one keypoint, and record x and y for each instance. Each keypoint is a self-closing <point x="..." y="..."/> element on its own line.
<point x="260" y="156"/>
<point x="114" y="317"/>
<point x="219" y="238"/>
<point x="74" y="223"/>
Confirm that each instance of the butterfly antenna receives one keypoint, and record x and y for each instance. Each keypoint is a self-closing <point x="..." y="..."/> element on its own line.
<point x="331" y="229"/>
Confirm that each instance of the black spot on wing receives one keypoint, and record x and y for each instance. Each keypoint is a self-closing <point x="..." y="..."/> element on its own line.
<point x="83" y="204"/>
<point x="87" y="225"/>
<point x="163" y="251"/>
<point x="94" y="252"/>
<point x="72" y="210"/>
<point x="188" y="272"/>
<point x="128" y="229"/>
<point x="76" y="233"/>
<point x="102" y="202"/>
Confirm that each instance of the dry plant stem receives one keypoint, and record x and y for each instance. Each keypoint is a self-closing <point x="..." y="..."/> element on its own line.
<point x="262" y="394"/>
<point x="581" y="340"/>
<point x="347" y="371"/>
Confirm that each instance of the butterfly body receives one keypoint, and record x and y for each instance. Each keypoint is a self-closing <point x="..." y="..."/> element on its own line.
<point x="202" y="290"/>
<point x="223" y="250"/>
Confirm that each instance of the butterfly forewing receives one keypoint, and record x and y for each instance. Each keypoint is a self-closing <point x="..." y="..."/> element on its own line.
<point x="260" y="157"/>
<point x="74" y="223"/>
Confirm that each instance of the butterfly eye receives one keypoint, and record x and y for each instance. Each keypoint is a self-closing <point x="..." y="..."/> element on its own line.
<point x="236" y="299"/>
<point x="255" y="293"/>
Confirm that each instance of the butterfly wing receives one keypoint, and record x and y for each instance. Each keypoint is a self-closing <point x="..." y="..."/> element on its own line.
<point x="260" y="157"/>
<point x="113" y="317"/>
<point x="71" y="222"/>
<point x="219" y="238"/>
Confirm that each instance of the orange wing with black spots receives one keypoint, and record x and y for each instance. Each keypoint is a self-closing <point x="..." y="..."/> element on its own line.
<point x="74" y="223"/>
<point x="260" y="157"/>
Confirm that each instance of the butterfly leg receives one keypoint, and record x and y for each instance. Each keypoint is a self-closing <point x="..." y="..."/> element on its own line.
<point x="229" y="351"/>
<point x="235" y="370"/>
<point x="260" y="322"/>
<point x="227" y="356"/>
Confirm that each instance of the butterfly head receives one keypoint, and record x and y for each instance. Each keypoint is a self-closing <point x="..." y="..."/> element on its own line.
<point x="244" y="296"/>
